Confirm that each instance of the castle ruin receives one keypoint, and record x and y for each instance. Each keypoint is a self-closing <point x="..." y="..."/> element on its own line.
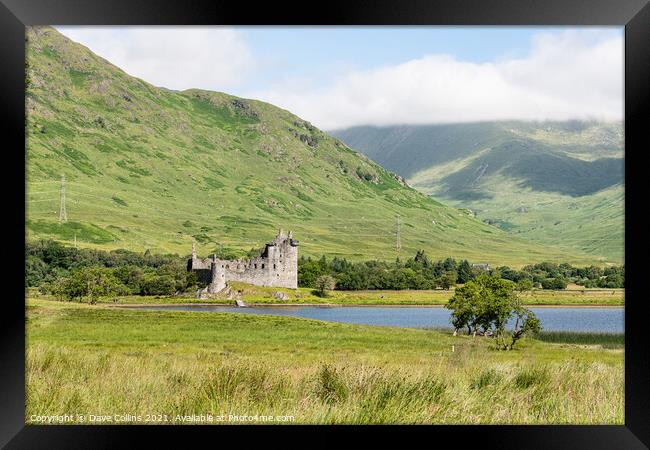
<point x="276" y="266"/>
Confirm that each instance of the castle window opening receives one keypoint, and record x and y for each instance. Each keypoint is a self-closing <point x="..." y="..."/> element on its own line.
<point x="255" y="265"/>
<point x="262" y="266"/>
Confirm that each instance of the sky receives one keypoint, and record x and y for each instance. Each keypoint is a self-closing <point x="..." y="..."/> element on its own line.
<point x="337" y="77"/>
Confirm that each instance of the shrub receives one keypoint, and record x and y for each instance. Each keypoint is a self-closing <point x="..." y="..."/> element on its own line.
<point x="158" y="285"/>
<point x="324" y="283"/>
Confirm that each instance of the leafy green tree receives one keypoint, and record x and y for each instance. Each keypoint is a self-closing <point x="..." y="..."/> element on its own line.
<point x="487" y="303"/>
<point x="465" y="272"/>
<point x="91" y="282"/>
<point x="554" y="283"/>
<point x="479" y="302"/>
<point x="131" y="276"/>
<point x="158" y="285"/>
<point x="422" y="259"/>
<point x="325" y="283"/>
<point x="526" y="323"/>
<point x="36" y="271"/>
<point x="524" y="284"/>
<point x="448" y="279"/>
<point x="308" y="272"/>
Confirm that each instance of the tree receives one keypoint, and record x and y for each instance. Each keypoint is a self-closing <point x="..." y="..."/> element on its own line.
<point x="525" y="323"/>
<point x="487" y="303"/>
<point x="465" y="273"/>
<point x="524" y="284"/>
<point x="324" y="283"/>
<point x="131" y="276"/>
<point x="554" y="283"/>
<point x="158" y="285"/>
<point x="91" y="282"/>
<point x="99" y="282"/>
<point x="448" y="279"/>
<point x="36" y="271"/>
<point x="308" y="273"/>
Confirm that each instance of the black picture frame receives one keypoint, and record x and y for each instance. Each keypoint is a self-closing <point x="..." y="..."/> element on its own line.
<point x="633" y="14"/>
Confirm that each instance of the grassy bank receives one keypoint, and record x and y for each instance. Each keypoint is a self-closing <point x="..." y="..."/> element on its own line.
<point x="269" y="295"/>
<point x="98" y="360"/>
<point x="606" y="340"/>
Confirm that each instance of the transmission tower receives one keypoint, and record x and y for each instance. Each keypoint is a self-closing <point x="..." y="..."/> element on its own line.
<point x="398" y="243"/>
<point x="63" y="216"/>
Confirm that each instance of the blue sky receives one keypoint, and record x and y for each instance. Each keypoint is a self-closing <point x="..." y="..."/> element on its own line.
<point x="294" y="51"/>
<point x="343" y="76"/>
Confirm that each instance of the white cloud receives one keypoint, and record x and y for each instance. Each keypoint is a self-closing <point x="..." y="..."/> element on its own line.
<point x="173" y="57"/>
<point x="567" y="75"/>
<point x="574" y="74"/>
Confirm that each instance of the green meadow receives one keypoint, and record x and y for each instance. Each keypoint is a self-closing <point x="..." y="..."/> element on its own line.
<point x="260" y="295"/>
<point x="100" y="360"/>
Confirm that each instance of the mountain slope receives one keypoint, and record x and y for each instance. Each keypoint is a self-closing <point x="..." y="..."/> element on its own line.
<point x="554" y="183"/>
<point x="150" y="168"/>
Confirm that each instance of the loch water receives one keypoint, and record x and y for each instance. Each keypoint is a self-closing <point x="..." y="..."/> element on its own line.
<point x="576" y="319"/>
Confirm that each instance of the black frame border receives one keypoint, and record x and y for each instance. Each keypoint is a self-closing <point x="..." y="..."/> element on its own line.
<point x="633" y="14"/>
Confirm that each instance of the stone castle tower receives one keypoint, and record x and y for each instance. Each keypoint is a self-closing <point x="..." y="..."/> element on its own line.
<point x="276" y="266"/>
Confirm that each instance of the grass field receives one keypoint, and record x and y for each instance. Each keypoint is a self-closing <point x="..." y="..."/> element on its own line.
<point x="102" y="361"/>
<point x="265" y="295"/>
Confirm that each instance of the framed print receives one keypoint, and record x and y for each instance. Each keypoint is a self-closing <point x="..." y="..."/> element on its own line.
<point x="420" y="216"/>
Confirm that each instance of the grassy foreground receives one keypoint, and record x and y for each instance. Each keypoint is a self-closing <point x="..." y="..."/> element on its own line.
<point x="132" y="366"/>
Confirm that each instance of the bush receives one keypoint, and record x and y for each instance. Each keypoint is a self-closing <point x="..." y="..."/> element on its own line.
<point x="324" y="283"/>
<point x="554" y="283"/>
<point x="158" y="285"/>
<point x="91" y="282"/>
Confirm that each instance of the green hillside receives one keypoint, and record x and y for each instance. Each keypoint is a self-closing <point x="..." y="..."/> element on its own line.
<point x="556" y="183"/>
<point x="151" y="168"/>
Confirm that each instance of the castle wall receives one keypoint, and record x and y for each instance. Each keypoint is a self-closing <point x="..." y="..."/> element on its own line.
<point x="277" y="266"/>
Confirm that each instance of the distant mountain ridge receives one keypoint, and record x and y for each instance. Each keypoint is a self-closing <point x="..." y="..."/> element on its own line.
<point x="552" y="182"/>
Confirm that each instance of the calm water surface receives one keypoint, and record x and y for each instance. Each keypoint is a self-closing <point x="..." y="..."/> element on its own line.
<point x="594" y="319"/>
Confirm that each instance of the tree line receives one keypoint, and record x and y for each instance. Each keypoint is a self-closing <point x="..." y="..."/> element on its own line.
<point x="71" y="273"/>
<point x="420" y="272"/>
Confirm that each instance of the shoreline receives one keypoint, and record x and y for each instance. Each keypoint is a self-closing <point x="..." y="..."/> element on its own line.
<point x="334" y="305"/>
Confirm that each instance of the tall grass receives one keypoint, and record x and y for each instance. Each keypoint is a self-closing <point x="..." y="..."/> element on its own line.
<point x="106" y="383"/>
<point x="105" y="361"/>
<point x="606" y="340"/>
